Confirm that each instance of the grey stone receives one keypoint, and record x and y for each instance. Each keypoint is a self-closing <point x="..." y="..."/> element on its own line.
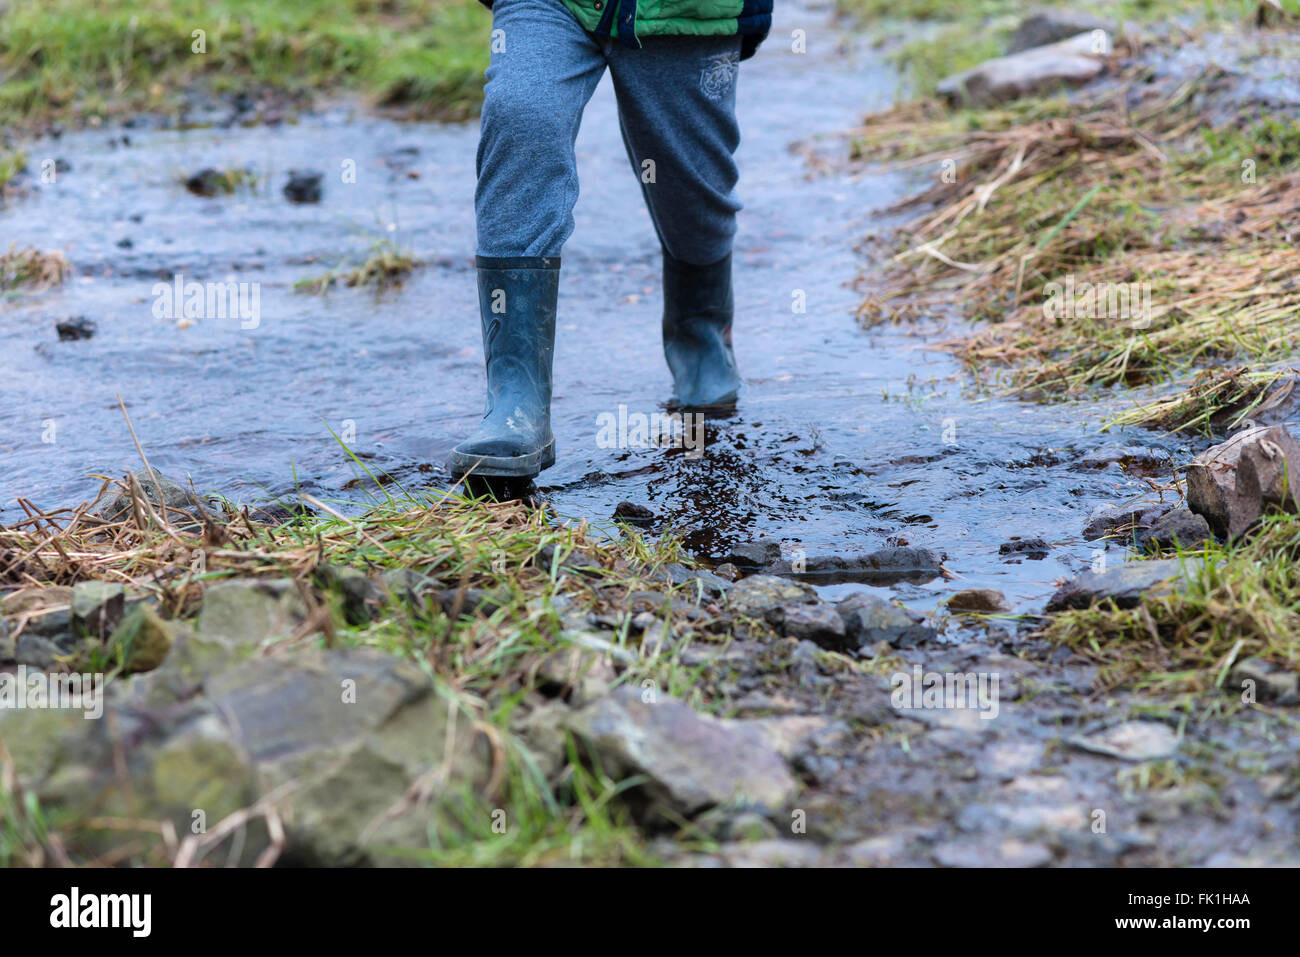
<point x="1125" y="585"/>
<point x="1139" y="511"/>
<point x="755" y="596"/>
<point x="750" y="555"/>
<point x="583" y="674"/>
<point x="1232" y="484"/>
<point x="710" y="585"/>
<point x="737" y="824"/>
<point x="556" y="560"/>
<point x="358" y="593"/>
<point x="244" y="613"/>
<point x="1179" y="527"/>
<point x="1268" y="681"/>
<point x="691" y="762"/>
<point x="174" y="503"/>
<point x="1070" y="62"/>
<point x="1041" y="27"/>
<point x="97" y="607"/>
<point x="772" y="853"/>
<point x="38" y="629"/>
<point x="820" y="624"/>
<point x="1008" y="852"/>
<point x="1131" y="741"/>
<point x="869" y="619"/>
<point x="334" y="740"/>
<point x="887" y="565"/>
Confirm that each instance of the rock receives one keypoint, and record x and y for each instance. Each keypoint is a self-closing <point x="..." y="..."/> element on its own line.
<point x="1268" y="681"/>
<point x="737" y="824"/>
<point x="541" y="730"/>
<point x="1071" y="62"/>
<point x="243" y="614"/>
<point x="97" y="607"/>
<point x="1034" y="548"/>
<point x="470" y="602"/>
<point x="1125" y="585"/>
<point x="1131" y="741"/>
<point x="633" y="513"/>
<point x="183" y="508"/>
<point x="1233" y="483"/>
<point x="869" y="619"/>
<point x="820" y="624"/>
<point x="1008" y="852"/>
<point x="38" y="630"/>
<point x="792" y="735"/>
<point x="773" y="853"/>
<point x="727" y="572"/>
<point x="142" y="640"/>
<point x="358" y="594"/>
<point x="884" y="566"/>
<point x="555" y="561"/>
<point x="580" y="673"/>
<point x="214" y="182"/>
<point x="304" y="186"/>
<point x="333" y="740"/>
<point x="977" y="600"/>
<point x="74" y="328"/>
<point x="753" y="555"/>
<point x="709" y="584"/>
<point x="1140" y="510"/>
<point x="1179" y="527"/>
<point x="1271" y="13"/>
<point x="1041" y="27"/>
<point x="755" y="596"/>
<point x="691" y="762"/>
<point x="406" y="584"/>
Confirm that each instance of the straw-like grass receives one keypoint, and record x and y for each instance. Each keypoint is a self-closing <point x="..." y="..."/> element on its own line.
<point x="32" y="268"/>
<point x="1093" y="193"/>
<point x="1243" y="602"/>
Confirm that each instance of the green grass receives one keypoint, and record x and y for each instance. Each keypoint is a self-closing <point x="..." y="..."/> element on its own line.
<point x="79" y="59"/>
<point x="11" y="164"/>
<point x="486" y="661"/>
<point x="1243" y="602"/>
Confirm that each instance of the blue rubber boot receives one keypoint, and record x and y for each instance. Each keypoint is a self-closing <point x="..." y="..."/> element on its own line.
<point x="698" y="310"/>
<point x="517" y="299"/>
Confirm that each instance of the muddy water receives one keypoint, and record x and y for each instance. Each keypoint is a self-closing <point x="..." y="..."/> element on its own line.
<point x="844" y="441"/>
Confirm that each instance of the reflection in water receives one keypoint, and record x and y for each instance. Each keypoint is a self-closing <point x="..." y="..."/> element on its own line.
<point x="843" y="442"/>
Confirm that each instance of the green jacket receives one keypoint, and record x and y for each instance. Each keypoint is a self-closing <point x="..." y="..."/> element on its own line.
<point x="629" y="20"/>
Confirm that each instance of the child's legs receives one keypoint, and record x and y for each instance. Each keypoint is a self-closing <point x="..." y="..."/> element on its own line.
<point x="537" y="88"/>
<point x="677" y="109"/>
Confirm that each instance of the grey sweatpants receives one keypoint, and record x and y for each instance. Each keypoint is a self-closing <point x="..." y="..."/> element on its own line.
<point x="676" y="105"/>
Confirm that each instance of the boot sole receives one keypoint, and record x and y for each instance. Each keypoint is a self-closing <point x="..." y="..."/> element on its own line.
<point x="502" y="466"/>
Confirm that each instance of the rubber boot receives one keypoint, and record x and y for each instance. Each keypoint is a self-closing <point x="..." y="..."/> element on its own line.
<point x="517" y="304"/>
<point x="697" y="332"/>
